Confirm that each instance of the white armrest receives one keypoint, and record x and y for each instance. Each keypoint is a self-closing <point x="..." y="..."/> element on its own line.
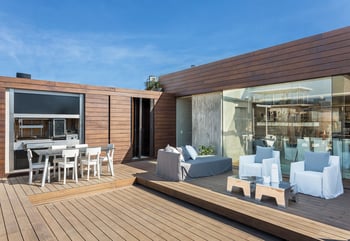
<point x="332" y="180"/>
<point x="247" y="159"/>
<point x="267" y="164"/>
<point x="295" y="167"/>
<point x="243" y="161"/>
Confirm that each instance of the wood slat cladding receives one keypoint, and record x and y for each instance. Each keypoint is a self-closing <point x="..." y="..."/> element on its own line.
<point x="107" y="114"/>
<point x="2" y="132"/>
<point x="322" y="55"/>
<point x="96" y="119"/>
<point x="120" y="130"/>
<point x="165" y="121"/>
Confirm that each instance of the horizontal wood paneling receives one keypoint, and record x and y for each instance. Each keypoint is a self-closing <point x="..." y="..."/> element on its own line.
<point x="322" y="55"/>
<point x="96" y="119"/>
<point x="99" y="113"/>
<point x="120" y="130"/>
<point x="2" y="132"/>
<point x="165" y="121"/>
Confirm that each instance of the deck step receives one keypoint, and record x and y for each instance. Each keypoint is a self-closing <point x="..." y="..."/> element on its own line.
<point x="276" y="222"/>
<point x="48" y="197"/>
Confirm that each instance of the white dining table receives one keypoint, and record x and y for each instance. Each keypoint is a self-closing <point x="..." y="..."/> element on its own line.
<point x="47" y="153"/>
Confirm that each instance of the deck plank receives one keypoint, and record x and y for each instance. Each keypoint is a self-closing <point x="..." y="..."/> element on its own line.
<point x="119" y="227"/>
<point x="262" y="217"/>
<point x="12" y="228"/>
<point x="180" y="216"/>
<point x="39" y="226"/>
<point x="95" y="219"/>
<point x="133" y="216"/>
<point x="194" y="220"/>
<point x="55" y="228"/>
<point x="112" y="208"/>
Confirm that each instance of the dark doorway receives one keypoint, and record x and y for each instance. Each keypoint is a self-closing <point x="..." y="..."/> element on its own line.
<point x="142" y="131"/>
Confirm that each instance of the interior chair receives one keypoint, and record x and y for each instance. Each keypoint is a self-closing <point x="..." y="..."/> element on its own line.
<point x="303" y="145"/>
<point x="91" y="158"/>
<point x="290" y="152"/>
<point x="260" y="163"/>
<point x="319" y="145"/>
<point x="319" y="175"/>
<point x="35" y="166"/>
<point x="346" y="153"/>
<point x="108" y="158"/>
<point x="69" y="160"/>
<point x="270" y="140"/>
<point x="258" y="142"/>
<point x="57" y="158"/>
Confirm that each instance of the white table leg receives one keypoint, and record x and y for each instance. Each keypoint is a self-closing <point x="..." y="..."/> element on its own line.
<point x="45" y="170"/>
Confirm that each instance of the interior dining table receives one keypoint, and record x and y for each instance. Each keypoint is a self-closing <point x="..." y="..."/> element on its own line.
<point x="47" y="153"/>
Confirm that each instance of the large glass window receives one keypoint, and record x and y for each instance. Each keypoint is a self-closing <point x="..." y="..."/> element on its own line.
<point x="292" y="117"/>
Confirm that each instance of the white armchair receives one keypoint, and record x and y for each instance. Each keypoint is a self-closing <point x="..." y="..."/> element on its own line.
<point x="249" y="167"/>
<point x="319" y="175"/>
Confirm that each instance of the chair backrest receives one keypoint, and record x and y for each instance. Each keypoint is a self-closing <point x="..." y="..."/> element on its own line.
<point x="303" y="145"/>
<point x="70" y="153"/>
<point x="93" y="152"/>
<point x="110" y="152"/>
<point x="57" y="147"/>
<point x="319" y="145"/>
<point x="81" y="145"/>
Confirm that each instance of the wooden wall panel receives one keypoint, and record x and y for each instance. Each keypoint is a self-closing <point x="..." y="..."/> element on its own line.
<point x="2" y="132"/>
<point x="322" y="55"/>
<point x="107" y="114"/>
<point x="121" y="127"/>
<point x="165" y="121"/>
<point x="96" y="119"/>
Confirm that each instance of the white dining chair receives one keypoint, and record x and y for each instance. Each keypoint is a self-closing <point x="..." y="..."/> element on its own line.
<point x="35" y="166"/>
<point x="69" y="160"/>
<point x="108" y="158"/>
<point x="82" y="148"/>
<point x="57" y="158"/>
<point x="91" y="158"/>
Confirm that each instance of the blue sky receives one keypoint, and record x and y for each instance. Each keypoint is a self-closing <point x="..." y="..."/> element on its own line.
<point x="120" y="43"/>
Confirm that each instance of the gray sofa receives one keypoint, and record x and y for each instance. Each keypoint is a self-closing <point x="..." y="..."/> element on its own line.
<point x="170" y="167"/>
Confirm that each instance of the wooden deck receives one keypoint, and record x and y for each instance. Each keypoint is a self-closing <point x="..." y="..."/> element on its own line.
<point x="119" y="208"/>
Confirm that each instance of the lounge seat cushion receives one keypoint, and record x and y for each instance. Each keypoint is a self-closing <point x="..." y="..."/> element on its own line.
<point x="262" y="153"/>
<point x="206" y="166"/>
<point x="316" y="161"/>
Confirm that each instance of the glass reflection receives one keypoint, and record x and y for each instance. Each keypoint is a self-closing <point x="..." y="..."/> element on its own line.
<point x="292" y="117"/>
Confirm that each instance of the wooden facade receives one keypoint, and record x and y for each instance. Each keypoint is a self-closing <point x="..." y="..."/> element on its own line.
<point x="108" y="116"/>
<point x="322" y="55"/>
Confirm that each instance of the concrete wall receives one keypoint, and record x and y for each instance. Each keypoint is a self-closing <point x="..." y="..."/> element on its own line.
<point x="207" y="120"/>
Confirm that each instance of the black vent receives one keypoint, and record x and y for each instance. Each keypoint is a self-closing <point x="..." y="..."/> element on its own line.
<point x="23" y="75"/>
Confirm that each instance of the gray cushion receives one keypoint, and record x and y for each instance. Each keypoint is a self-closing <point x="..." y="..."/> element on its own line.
<point x="316" y="161"/>
<point x="185" y="153"/>
<point x="263" y="153"/>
